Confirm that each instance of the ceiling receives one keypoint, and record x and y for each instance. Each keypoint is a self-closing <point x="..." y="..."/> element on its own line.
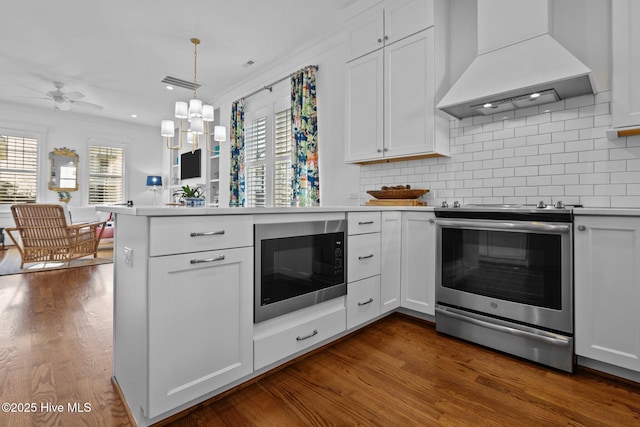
<point x="116" y="52"/>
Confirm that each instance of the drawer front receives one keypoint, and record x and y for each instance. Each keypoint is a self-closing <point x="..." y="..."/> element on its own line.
<point x="271" y="348"/>
<point x="177" y="235"/>
<point x="363" y="301"/>
<point x="363" y="222"/>
<point x="363" y="259"/>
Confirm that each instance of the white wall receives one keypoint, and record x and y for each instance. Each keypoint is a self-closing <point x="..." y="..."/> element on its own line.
<point x="337" y="179"/>
<point x="142" y="145"/>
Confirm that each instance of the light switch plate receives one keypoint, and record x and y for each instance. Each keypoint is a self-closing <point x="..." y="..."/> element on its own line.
<point x="128" y="256"/>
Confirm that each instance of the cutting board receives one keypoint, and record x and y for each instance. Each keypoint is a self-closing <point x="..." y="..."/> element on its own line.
<point x="396" y="202"/>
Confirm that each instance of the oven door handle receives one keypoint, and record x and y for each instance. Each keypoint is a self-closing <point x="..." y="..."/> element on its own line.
<point x="546" y="337"/>
<point x="506" y="225"/>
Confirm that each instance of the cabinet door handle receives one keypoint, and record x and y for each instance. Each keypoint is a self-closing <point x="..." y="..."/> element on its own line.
<point x="582" y="227"/>
<point x="306" y="337"/>
<point x="379" y="40"/>
<point x="366" y="256"/>
<point x="386" y="37"/>
<point x="379" y="150"/>
<point x="365" y="222"/>
<point x="431" y="220"/>
<point x="200" y="261"/>
<point x="207" y="233"/>
<point x="366" y="302"/>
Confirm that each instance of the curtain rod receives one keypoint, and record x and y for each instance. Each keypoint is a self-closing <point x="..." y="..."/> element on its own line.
<point x="269" y="87"/>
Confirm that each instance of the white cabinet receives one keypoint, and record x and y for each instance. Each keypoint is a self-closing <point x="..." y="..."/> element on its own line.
<point x="418" y="261"/>
<point x="625" y="102"/>
<point x="386" y="24"/>
<point x="607" y="289"/>
<point x="390" y="259"/>
<point x="390" y="92"/>
<point x="200" y="324"/>
<point x="363" y="267"/>
<point x="183" y="309"/>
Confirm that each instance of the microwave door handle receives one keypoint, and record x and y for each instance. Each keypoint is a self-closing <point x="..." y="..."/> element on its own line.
<point x="526" y="226"/>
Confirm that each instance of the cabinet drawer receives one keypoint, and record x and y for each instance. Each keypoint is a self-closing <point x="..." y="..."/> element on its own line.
<point x="363" y="259"/>
<point x="363" y="301"/>
<point x="176" y="235"/>
<point x="271" y="348"/>
<point x="363" y="222"/>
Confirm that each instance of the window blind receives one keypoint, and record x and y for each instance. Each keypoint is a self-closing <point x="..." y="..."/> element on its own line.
<point x="106" y="168"/>
<point x="282" y="168"/>
<point x="255" y="145"/>
<point x="18" y="169"/>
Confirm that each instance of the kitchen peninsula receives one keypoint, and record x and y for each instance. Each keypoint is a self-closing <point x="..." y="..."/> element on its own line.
<point x="184" y="326"/>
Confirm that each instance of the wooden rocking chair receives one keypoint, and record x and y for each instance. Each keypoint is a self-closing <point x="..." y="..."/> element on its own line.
<point x="46" y="234"/>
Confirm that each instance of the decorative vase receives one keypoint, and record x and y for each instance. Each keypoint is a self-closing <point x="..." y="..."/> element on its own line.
<point x="193" y="202"/>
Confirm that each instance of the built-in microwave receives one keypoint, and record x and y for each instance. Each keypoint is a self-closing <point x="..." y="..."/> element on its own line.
<point x="298" y="265"/>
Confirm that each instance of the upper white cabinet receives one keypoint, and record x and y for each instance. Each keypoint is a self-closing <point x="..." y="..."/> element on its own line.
<point x="626" y="61"/>
<point x="607" y="289"/>
<point x="390" y="93"/>
<point x="386" y="24"/>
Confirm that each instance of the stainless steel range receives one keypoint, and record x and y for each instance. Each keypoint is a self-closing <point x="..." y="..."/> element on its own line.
<point x="504" y="279"/>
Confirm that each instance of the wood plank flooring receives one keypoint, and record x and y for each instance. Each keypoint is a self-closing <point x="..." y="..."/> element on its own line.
<point x="56" y="347"/>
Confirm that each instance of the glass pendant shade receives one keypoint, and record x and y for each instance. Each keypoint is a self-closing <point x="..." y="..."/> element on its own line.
<point x="220" y="133"/>
<point x="181" y="110"/>
<point x="197" y="126"/>
<point x="167" y="128"/>
<point x="207" y="113"/>
<point x="195" y="108"/>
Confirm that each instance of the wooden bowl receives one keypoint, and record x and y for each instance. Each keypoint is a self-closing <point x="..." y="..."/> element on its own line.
<point x="397" y="194"/>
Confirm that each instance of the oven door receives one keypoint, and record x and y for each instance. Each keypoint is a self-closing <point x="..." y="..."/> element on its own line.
<point x="517" y="270"/>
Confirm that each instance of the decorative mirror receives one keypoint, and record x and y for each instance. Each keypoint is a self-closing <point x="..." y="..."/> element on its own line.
<point x="63" y="175"/>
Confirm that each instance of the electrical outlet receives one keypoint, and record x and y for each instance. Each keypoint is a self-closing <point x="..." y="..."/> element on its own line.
<point x="128" y="256"/>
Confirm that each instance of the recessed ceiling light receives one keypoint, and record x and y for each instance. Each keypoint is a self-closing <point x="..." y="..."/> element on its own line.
<point x="134" y="116"/>
<point x="488" y="105"/>
<point x="169" y="87"/>
<point x="534" y="95"/>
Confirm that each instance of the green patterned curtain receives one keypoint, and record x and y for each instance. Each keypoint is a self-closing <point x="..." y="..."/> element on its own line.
<point x="236" y="181"/>
<point x="305" y="183"/>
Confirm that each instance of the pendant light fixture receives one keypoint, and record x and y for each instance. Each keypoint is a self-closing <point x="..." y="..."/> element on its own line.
<point x="198" y="116"/>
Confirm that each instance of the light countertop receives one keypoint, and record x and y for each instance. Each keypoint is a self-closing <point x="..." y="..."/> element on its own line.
<point x="194" y="211"/>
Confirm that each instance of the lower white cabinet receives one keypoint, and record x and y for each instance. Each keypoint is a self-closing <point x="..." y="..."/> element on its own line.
<point x="200" y="324"/>
<point x="390" y="259"/>
<point x="418" y="275"/>
<point x="607" y="289"/>
<point x="363" y="301"/>
<point x="295" y="332"/>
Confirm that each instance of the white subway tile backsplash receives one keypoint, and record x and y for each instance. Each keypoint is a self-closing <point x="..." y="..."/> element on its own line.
<point x="553" y="152"/>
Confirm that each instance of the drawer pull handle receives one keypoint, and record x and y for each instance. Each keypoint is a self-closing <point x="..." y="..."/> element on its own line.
<point x="366" y="256"/>
<point x="208" y="233"/>
<point x="200" y="261"/>
<point x="365" y="222"/>
<point x="312" y="334"/>
<point x="366" y="302"/>
<point x="582" y="227"/>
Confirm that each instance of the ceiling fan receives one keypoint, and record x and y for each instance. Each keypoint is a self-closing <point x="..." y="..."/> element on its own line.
<point x="64" y="100"/>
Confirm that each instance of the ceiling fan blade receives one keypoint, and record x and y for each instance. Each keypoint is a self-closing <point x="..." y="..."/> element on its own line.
<point x="86" y="104"/>
<point x="74" y="95"/>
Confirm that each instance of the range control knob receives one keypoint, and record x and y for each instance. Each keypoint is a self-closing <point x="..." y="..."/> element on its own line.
<point x="541" y="204"/>
<point x="456" y="204"/>
<point x="445" y="204"/>
<point x="559" y="205"/>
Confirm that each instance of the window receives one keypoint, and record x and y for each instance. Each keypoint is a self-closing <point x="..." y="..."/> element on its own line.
<point x="268" y="172"/>
<point x="18" y="169"/>
<point x="106" y="168"/>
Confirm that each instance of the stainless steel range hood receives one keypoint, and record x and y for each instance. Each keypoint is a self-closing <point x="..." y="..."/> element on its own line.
<point x="521" y="68"/>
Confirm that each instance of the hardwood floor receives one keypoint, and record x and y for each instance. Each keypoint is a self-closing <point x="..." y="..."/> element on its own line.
<point x="56" y="347"/>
